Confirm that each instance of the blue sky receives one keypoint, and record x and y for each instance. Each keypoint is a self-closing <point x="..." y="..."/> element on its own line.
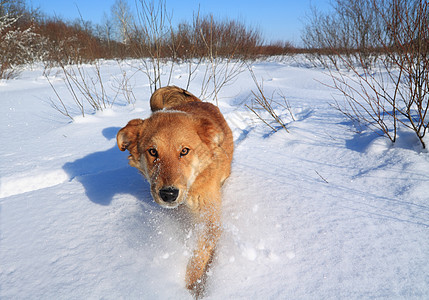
<point x="277" y="19"/>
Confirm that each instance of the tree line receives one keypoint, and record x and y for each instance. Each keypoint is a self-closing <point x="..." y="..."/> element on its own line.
<point x="28" y="35"/>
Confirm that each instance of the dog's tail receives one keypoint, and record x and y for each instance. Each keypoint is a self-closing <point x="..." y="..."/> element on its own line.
<point x="170" y="96"/>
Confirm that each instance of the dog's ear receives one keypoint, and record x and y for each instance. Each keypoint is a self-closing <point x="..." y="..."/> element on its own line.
<point x="128" y="136"/>
<point x="209" y="132"/>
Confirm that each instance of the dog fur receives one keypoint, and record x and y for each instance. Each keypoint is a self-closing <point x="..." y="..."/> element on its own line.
<point x="184" y="149"/>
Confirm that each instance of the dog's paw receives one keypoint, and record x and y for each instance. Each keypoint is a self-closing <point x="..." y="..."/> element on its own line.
<point x="196" y="274"/>
<point x="194" y="278"/>
<point x="197" y="288"/>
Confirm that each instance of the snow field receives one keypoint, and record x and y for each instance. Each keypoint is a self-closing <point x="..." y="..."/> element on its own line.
<point x="319" y="213"/>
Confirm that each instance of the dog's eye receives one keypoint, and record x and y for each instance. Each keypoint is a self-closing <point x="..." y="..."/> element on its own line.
<point x="153" y="152"/>
<point x="184" y="151"/>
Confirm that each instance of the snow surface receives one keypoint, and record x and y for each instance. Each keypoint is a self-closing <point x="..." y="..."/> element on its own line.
<point x="319" y="213"/>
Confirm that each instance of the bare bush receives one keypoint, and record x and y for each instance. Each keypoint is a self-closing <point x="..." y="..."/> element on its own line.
<point x="220" y="69"/>
<point x="149" y="35"/>
<point x="262" y="105"/>
<point x="385" y="84"/>
<point x="217" y="47"/>
<point x="122" y="85"/>
<point x="352" y="29"/>
<point x="221" y="47"/>
<point x="408" y="30"/>
<point x="88" y="90"/>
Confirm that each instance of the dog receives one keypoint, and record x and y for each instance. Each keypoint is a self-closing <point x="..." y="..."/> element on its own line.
<point x="184" y="150"/>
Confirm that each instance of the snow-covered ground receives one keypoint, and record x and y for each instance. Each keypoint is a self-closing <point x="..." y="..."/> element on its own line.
<point x="318" y="213"/>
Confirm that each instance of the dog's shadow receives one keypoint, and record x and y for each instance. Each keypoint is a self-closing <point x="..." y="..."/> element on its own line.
<point x="105" y="174"/>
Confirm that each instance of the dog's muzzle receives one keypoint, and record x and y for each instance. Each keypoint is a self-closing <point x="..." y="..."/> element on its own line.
<point x="169" y="194"/>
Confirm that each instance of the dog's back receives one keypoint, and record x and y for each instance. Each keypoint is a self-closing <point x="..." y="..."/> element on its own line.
<point x="170" y="96"/>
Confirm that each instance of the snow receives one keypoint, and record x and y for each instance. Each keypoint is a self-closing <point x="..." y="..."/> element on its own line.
<point x="320" y="212"/>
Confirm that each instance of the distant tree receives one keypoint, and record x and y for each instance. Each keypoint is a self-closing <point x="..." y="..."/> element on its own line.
<point x="105" y="30"/>
<point x="122" y="20"/>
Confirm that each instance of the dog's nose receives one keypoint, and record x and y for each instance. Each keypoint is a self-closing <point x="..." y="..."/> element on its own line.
<point x="169" y="194"/>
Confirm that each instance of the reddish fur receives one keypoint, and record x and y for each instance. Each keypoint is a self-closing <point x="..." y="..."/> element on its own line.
<point x="170" y="96"/>
<point x="184" y="122"/>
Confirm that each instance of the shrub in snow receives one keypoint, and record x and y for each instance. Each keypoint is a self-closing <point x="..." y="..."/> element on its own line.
<point x="18" y="46"/>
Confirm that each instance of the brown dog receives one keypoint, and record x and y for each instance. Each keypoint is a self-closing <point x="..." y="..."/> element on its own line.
<point x="184" y="150"/>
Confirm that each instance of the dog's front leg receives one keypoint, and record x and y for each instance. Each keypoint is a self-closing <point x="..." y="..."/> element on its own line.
<point x="203" y="254"/>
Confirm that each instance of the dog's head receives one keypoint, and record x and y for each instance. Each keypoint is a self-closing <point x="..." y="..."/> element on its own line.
<point x="170" y="149"/>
